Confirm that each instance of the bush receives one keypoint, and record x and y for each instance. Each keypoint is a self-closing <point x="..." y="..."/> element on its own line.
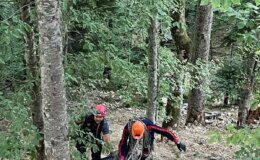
<point x="246" y="139"/>
<point x="21" y="136"/>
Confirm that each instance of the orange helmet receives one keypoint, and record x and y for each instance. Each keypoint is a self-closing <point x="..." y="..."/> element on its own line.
<point x="138" y="130"/>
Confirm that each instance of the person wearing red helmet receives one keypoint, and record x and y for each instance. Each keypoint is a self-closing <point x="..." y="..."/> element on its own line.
<point x="98" y="126"/>
<point x="138" y="134"/>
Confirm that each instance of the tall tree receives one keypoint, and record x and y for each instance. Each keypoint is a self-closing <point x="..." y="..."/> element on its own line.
<point x="179" y="32"/>
<point x="244" y="36"/>
<point x="183" y="45"/>
<point x="152" y="69"/>
<point x="201" y="43"/>
<point x="246" y="92"/>
<point x="32" y="72"/>
<point x="56" y="141"/>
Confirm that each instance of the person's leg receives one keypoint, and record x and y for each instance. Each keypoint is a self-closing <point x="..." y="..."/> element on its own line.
<point x="81" y="147"/>
<point x="145" y="154"/>
<point x="143" y="157"/>
<point x="97" y="154"/>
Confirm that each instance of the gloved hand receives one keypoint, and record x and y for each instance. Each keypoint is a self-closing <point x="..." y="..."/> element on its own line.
<point x="181" y="146"/>
<point x="80" y="147"/>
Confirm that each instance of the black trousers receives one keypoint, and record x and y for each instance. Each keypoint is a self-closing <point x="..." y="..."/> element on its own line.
<point x="143" y="157"/>
<point x="95" y="155"/>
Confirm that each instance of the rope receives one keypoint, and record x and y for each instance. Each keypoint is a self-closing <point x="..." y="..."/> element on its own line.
<point x="135" y="152"/>
<point x="137" y="146"/>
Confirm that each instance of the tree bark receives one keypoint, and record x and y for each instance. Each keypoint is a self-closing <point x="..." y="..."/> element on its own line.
<point x="245" y="96"/>
<point x="183" y="45"/>
<point x="226" y="99"/>
<point x="52" y="81"/>
<point x="152" y="69"/>
<point x="196" y="104"/>
<point x="33" y="74"/>
<point x="179" y="33"/>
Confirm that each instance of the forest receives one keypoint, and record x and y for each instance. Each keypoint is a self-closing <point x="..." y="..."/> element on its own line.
<point x="190" y="66"/>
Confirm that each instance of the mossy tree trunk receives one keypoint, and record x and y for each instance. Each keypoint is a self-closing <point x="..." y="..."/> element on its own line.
<point x="184" y="46"/>
<point x="245" y="96"/>
<point x="196" y="104"/>
<point x="179" y="32"/>
<point x="32" y="72"/>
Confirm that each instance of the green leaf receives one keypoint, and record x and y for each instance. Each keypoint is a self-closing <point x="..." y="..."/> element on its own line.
<point x="226" y="4"/>
<point x="2" y="61"/>
<point x="204" y="2"/>
<point x="216" y="3"/>
<point x="89" y="46"/>
<point x="230" y="128"/>
<point x="176" y="24"/>
<point x="235" y="1"/>
<point x="162" y="13"/>
<point x="257" y="2"/>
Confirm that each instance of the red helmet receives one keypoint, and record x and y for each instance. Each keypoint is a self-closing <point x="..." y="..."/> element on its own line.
<point x="101" y="110"/>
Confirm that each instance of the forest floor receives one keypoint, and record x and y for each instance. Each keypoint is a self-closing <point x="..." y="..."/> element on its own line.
<point x="194" y="136"/>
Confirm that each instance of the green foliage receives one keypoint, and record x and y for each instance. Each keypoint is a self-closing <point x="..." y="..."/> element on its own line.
<point x="256" y="100"/>
<point x="225" y="4"/>
<point x="243" y="39"/>
<point x="257" y="2"/>
<point x="170" y="74"/>
<point x="20" y="136"/>
<point x="246" y="27"/>
<point x="131" y="80"/>
<point x="11" y="43"/>
<point x="229" y="76"/>
<point x="101" y="33"/>
<point x="77" y="135"/>
<point x="115" y="38"/>
<point x="246" y="139"/>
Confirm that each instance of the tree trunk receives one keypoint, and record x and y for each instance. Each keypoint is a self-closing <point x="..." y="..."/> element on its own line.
<point x="172" y="113"/>
<point x="179" y="33"/>
<point x="52" y="81"/>
<point x="183" y="45"/>
<point x="33" y="75"/>
<point x="226" y="99"/>
<point x="196" y="104"/>
<point x="152" y="69"/>
<point x="246" y="92"/>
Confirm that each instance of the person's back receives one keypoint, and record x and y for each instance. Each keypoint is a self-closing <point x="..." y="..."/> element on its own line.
<point x="142" y="130"/>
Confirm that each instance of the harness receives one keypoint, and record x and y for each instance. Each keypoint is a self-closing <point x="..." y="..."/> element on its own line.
<point x="138" y="148"/>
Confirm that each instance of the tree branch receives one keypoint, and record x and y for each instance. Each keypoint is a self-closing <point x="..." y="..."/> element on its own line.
<point x="17" y="11"/>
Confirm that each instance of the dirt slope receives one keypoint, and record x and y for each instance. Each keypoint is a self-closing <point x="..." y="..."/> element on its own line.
<point x="195" y="137"/>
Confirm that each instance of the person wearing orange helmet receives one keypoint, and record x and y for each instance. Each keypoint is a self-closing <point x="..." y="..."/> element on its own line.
<point x="142" y="130"/>
<point x="97" y="125"/>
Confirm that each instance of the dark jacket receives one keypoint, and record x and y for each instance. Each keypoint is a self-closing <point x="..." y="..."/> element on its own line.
<point x="151" y="128"/>
<point x="90" y="125"/>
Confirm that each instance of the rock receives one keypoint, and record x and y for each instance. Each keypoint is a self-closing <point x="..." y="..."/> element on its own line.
<point x="208" y="121"/>
<point x="215" y="157"/>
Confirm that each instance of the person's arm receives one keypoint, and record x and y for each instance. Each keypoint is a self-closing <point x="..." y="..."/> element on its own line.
<point x="105" y="131"/>
<point x="106" y="138"/>
<point x="164" y="132"/>
<point x="168" y="134"/>
<point x="123" y="148"/>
